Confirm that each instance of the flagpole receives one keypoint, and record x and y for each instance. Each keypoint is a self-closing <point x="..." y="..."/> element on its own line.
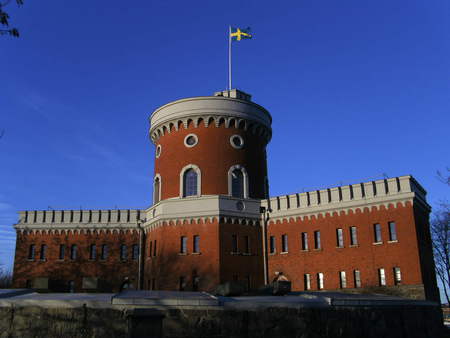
<point x="229" y="58"/>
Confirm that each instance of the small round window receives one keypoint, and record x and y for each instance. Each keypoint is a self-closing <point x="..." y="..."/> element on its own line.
<point x="190" y="140"/>
<point x="158" y="150"/>
<point x="237" y="141"/>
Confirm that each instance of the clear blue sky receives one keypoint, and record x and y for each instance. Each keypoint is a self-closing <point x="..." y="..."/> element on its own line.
<point x="356" y="89"/>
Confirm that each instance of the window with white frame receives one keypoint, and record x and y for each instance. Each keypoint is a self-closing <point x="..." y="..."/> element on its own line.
<point x="320" y="281"/>
<point x="304" y="241"/>
<point x="196" y="244"/>
<point x="31" y="251"/>
<point x="190" y="181"/>
<point x="377" y="233"/>
<point x="357" y="277"/>
<point x="73" y="252"/>
<point x="307" y="281"/>
<point x="342" y="279"/>
<point x="397" y="276"/>
<point x="238" y="182"/>
<point x="123" y="252"/>
<point x="272" y="245"/>
<point x="183" y="245"/>
<point x="284" y="243"/>
<point x="339" y="238"/>
<point x="353" y="236"/>
<point x="381" y="277"/>
<point x="93" y="252"/>
<point x="392" y="231"/>
<point x="317" y="243"/>
<point x="157" y="189"/>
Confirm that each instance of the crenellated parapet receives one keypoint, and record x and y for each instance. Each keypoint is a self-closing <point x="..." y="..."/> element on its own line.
<point x="384" y="192"/>
<point x="232" y="109"/>
<point x="78" y="220"/>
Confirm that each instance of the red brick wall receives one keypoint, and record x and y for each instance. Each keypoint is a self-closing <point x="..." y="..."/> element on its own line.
<point x="366" y="257"/>
<point x="214" y="155"/>
<point x="426" y="254"/>
<point x="169" y="264"/>
<point x="240" y="265"/>
<point x="111" y="272"/>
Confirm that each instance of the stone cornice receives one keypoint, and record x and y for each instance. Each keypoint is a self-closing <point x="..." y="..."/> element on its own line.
<point x="211" y="110"/>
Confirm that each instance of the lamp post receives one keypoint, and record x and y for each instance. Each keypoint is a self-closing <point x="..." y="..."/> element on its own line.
<point x="140" y="260"/>
<point x="265" y="217"/>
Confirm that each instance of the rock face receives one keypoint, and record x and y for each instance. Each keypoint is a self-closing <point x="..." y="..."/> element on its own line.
<point x="335" y="321"/>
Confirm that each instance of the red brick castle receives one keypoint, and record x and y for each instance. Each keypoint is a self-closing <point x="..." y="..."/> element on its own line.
<point x="212" y="221"/>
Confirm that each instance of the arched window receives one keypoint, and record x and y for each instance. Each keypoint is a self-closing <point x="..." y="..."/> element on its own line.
<point x="157" y="189"/>
<point x="238" y="182"/>
<point x="190" y="181"/>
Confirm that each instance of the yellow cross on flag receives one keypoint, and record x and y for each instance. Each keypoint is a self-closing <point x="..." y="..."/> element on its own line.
<point x="238" y="34"/>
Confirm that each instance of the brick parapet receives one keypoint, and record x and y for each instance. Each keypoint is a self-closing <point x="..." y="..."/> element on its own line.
<point x="78" y="220"/>
<point x="345" y="198"/>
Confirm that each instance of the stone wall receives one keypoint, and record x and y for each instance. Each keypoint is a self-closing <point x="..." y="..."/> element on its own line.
<point x="420" y="321"/>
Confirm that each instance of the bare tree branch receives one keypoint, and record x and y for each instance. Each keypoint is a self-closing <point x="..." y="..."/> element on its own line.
<point x="440" y="233"/>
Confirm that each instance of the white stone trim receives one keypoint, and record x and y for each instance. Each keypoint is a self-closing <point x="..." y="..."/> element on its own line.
<point x="158" y="151"/>
<point x="157" y="176"/>
<point x="240" y="138"/>
<point x="206" y="105"/>
<point x="245" y="176"/>
<point x="191" y="145"/>
<point x="199" y="180"/>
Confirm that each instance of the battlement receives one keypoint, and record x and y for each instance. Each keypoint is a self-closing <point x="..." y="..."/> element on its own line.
<point x="70" y="218"/>
<point x="366" y="194"/>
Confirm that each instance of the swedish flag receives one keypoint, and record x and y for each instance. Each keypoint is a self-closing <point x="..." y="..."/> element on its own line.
<point x="238" y="34"/>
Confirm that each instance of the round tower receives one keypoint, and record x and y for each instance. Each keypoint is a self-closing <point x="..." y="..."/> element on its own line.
<point x="213" y="145"/>
<point x="203" y="228"/>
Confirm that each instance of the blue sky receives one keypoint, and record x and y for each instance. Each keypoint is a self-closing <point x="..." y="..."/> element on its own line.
<point x="357" y="89"/>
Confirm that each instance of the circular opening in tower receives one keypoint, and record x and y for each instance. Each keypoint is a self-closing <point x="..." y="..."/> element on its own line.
<point x="237" y="141"/>
<point x="190" y="140"/>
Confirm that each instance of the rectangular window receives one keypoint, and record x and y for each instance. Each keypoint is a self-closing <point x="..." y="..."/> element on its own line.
<point x="104" y="253"/>
<point x="381" y="277"/>
<point x="62" y="251"/>
<point x="93" y="252"/>
<point x="247" y="244"/>
<point x="339" y="238"/>
<point x="196" y="244"/>
<point x="377" y="233"/>
<point x="272" y="245"/>
<point x="357" y="277"/>
<point x="317" y="244"/>
<point x="284" y="243"/>
<point x="320" y="281"/>
<point x="307" y="281"/>
<point x="234" y="243"/>
<point x="304" y="241"/>
<point x="150" y="247"/>
<point x="183" y="244"/>
<point x="397" y="276"/>
<point x="342" y="279"/>
<point x="135" y="252"/>
<point x="182" y="283"/>
<point x="154" y="248"/>
<point x="43" y="252"/>
<point x="123" y="252"/>
<point x="392" y="231"/>
<point x="73" y="252"/>
<point x="353" y="236"/>
<point x="32" y="251"/>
